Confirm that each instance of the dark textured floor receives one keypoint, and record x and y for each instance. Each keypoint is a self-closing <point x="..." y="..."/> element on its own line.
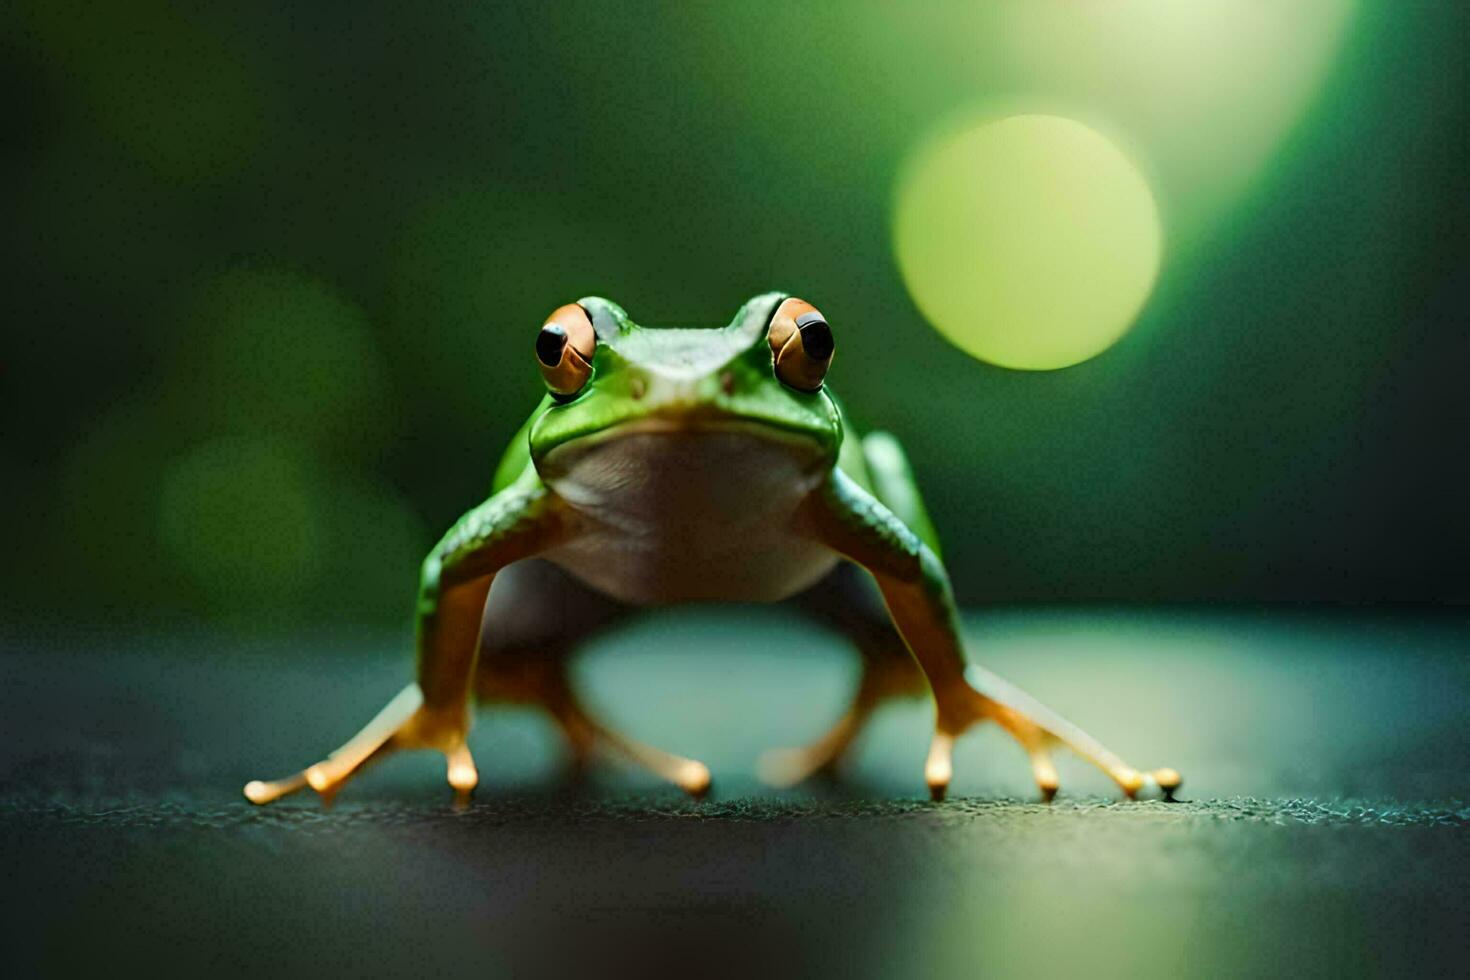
<point x="1324" y="833"/>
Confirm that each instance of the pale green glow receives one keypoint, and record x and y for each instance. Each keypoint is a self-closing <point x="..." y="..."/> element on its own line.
<point x="1031" y="242"/>
<point x="1207" y="89"/>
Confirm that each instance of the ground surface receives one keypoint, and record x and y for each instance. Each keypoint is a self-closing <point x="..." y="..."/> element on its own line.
<point x="1325" y="831"/>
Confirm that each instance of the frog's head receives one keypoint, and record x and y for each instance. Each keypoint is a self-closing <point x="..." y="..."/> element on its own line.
<point x="761" y="376"/>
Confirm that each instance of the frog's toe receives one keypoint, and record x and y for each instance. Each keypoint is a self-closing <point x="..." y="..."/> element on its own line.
<point x="694" y="778"/>
<point x="263" y="791"/>
<point x="400" y="725"/>
<point x="1045" y="773"/>
<point x="690" y="775"/>
<point x="1148" y="785"/>
<point x="1160" y="783"/>
<point x="583" y="732"/>
<point x="939" y="767"/>
<point x="1038" y="729"/>
<point x="317" y="777"/>
<point x="1169" y="781"/>
<point x="461" y="772"/>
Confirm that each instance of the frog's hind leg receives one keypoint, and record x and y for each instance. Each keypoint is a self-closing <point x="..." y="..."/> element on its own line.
<point x="882" y="679"/>
<point x="849" y="604"/>
<point x="540" y="614"/>
<point x="539" y="678"/>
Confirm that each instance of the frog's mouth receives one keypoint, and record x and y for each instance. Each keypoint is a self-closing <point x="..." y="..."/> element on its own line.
<point x="685" y="422"/>
<point x="704" y="442"/>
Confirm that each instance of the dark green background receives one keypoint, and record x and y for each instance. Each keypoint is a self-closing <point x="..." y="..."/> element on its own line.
<point x="273" y="275"/>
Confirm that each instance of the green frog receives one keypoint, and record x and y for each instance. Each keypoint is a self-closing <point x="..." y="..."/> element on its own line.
<point x="676" y="464"/>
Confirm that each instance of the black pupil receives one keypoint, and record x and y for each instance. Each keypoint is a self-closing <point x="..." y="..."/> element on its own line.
<point x="549" y="344"/>
<point x="816" y="336"/>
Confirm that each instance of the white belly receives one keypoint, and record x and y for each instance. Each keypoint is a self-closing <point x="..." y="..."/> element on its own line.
<point x="683" y="515"/>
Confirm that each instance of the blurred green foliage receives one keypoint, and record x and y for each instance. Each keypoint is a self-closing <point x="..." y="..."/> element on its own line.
<point x="274" y="274"/>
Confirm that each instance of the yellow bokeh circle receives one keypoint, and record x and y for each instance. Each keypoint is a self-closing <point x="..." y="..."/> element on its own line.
<point x="1029" y="242"/>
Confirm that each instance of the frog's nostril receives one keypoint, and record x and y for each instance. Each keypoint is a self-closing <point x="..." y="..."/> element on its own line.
<point x="727" y="382"/>
<point x="637" y="387"/>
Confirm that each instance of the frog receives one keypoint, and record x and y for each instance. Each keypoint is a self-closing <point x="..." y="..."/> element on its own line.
<point x="684" y="464"/>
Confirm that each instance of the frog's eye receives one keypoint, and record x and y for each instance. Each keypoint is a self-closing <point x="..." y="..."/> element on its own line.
<point x="564" y="350"/>
<point x="801" y="344"/>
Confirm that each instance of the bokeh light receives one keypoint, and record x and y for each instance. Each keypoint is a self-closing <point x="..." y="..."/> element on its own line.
<point x="245" y="519"/>
<point x="1210" y="87"/>
<point x="272" y="351"/>
<point x="1029" y="242"/>
<point x="269" y="509"/>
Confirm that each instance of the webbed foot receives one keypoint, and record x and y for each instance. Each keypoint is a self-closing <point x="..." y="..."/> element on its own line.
<point x="1037" y="728"/>
<point x="402" y="724"/>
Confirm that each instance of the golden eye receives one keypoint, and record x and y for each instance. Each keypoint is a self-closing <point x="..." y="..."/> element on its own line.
<point x="564" y="350"/>
<point x="801" y="344"/>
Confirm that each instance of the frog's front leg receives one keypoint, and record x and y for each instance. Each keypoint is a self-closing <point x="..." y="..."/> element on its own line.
<point x="916" y="590"/>
<point x="519" y="521"/>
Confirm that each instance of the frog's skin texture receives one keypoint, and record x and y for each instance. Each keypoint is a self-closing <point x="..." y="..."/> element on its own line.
<point x="670" y="465"/>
